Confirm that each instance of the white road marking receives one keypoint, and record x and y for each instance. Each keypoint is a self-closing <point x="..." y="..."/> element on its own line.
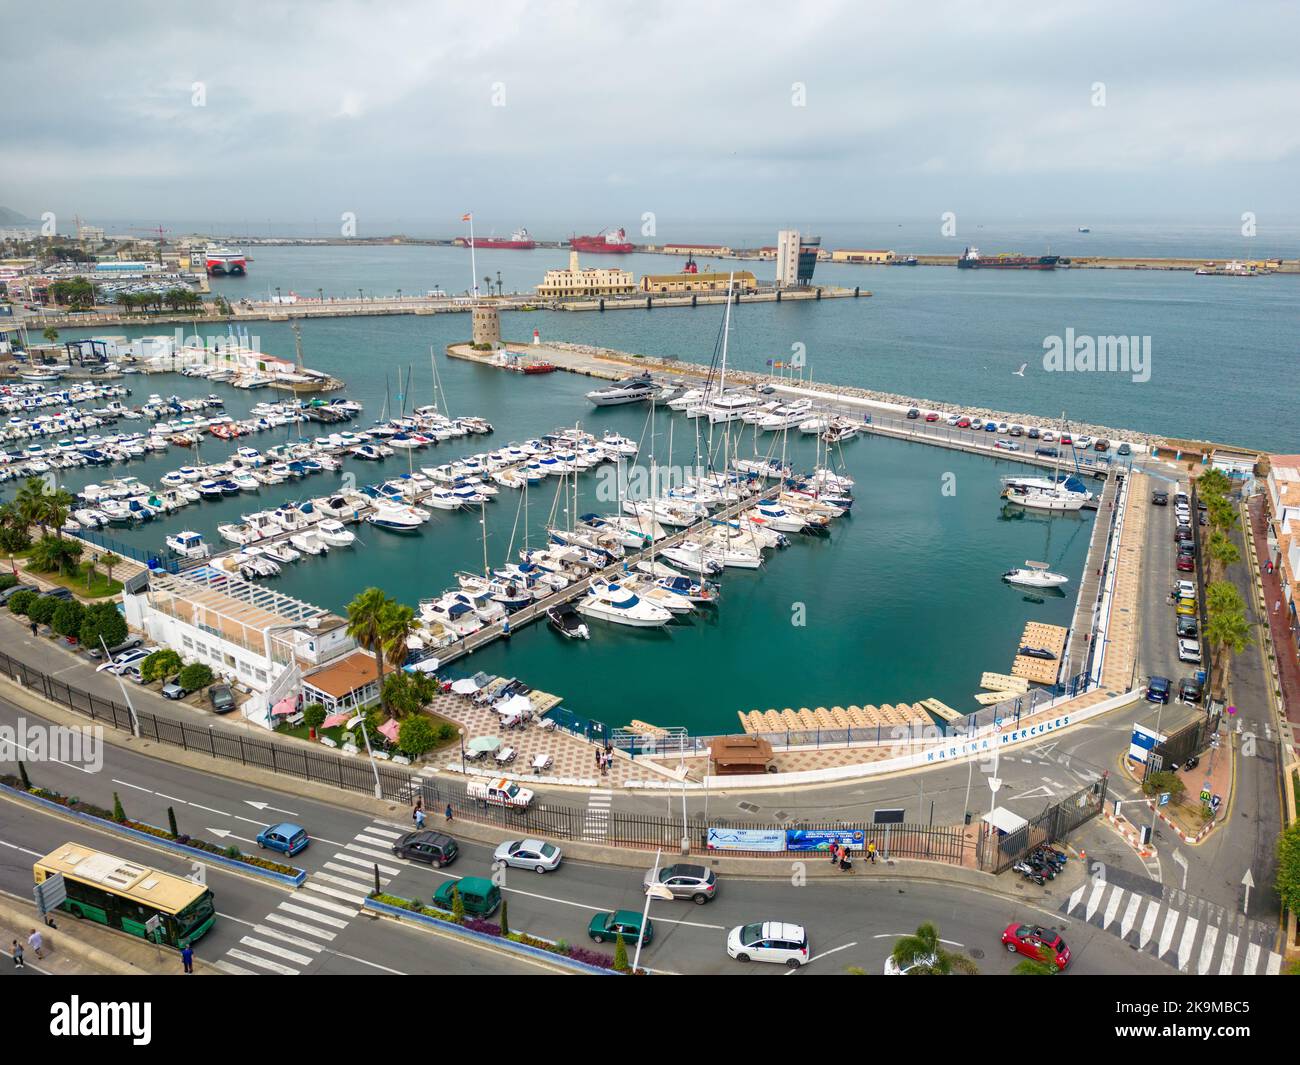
<point x="1229" y="954"/>
<point x="366" y="850"/>
<point x="324" y="904"/>
<point x="232" y="969"/>
<point x="1167" y="932"/>
<point x="1274" y="965"/>
<point x="818" y="957"/>
<point x="1252" y="960"/>
<point x="298" y="926"/>
<point x="297" y="941"/>
<point x="331" y="879"/>
<point x="128" y="784"/>
<point x="376" y="831"/>
<point x="1112" y="907"/>
<point x="271" y="966"/>
<point x="322" y="918"/>
<point x="1094" y="900"/>
<point x="209" y="809"/>
<point x="1207" y="949"/>
<point x="1076" y="897"/>
<point x="275" y="950"/>
<point x="387" y="870"/>
<point x="1130" y="915"/>
<point x="347" y="896"/>
<point x="1185" y="944"/>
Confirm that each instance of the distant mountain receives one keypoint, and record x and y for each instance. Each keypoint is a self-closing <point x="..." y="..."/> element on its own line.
<point x="10" y="217"/>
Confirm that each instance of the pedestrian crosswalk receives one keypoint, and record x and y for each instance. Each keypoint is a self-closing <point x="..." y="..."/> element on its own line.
<point x="1186" y="932"/>
<point x="595" y="825"/>
<point x="298" y="931"/>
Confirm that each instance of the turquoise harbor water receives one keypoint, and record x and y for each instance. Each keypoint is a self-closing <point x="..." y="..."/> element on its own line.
<point x="903" y="600"/>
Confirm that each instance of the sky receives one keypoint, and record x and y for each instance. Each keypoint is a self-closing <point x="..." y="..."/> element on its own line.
<point x="566" y="115"/>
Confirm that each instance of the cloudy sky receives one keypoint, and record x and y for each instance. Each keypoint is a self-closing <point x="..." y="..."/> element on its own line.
<point x="569" y="114"/>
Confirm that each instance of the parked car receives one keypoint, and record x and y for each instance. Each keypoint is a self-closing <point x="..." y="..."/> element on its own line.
<point x="625" y="923"/>
<point x="1033" y="940"/>
<point x="990" y="427"/>
<point x="1158" y="690"/>
<point x="773" y="941"/>
<point x="120" y="662"/>
<point x="425" y="845"/>
<point x="1189" y="650"/>
<point x="1067" y="439"/>
<point x="479" y="896"/>
<point x="1187" y="628"/>
<point x="1186" y="608"/>
<point x="963" y="423"/>
<point x="685" y="881"/>
<point x="173" y="690"/>
<point x="1185" y="563"/>
<point x="1124" y="450"/>
<point x="1186" y="590"/>
<point x="932" y="416"/>
<point x="221" y="698"/>
<point x="954" y="419"/>
<point x="532" y="854"/>
<point x="1046" y="452"/>
<point x="1101" y="445"/>
<point x="8" y="593"/>
<point x="1006" y="445"/>
<point x="1189" y="690"/>
<point x="129" y="644"/>
<point x="1033" y="432"/>
<point x="286" y="837"/>
<point x="1160" y="499"/>
<point x="913" y="413"/>
<point x="57" y="593"/>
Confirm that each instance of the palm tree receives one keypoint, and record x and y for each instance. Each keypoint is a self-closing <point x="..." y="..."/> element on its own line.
<point x="395" y="628"/>
<point x="108" y="561"/>
<point x="1223" y="553"/>
<point x="925" y="953"/>
<point x="1222" y="597"/>
<point x="1213" y="482"/>
<point x="51" y="334"/>
<point x="30" y="503"/>
<point x="58" y="504"/>
<point x="1227" y="632"/>
<point x="366" y="625"/>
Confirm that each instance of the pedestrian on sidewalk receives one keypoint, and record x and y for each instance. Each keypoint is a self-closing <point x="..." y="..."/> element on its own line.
<point x="34" y="941"/>
<point x="835" y="852"/>
<point x="599" y="757"/>
<point x="448" y="811"/>
<point x="18" y="955"/>
<point x="419" y="817"/>
<point x="34" y="628"/>
<point x="187" y="957"/>
<point x="871" y="852"/>
<point x="416" y="810"/>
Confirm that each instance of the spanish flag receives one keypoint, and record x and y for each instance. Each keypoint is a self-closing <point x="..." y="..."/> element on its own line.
<point x="466" y="217"/>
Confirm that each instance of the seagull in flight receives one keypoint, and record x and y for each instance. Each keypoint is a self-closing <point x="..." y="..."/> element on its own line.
<point x="1020" y="372"/>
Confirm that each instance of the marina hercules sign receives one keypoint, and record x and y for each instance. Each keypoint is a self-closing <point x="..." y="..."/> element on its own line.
<point x="980" y="744"/>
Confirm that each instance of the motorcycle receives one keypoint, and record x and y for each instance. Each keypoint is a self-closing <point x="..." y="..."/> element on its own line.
<point x="1029" y="873"/>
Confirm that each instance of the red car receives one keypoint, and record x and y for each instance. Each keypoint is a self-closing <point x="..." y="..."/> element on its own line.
<point x="1067" y="439"/>
<point x="1032" y="941"/>
<point x="932" y="417"/>
<point x="1185" y="563"/>
<point x="963" y="423"/>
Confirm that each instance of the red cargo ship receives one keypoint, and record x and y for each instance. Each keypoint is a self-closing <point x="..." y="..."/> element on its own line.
<point x="613" y="242"/>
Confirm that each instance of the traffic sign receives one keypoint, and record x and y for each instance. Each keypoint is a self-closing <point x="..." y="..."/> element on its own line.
<point x="50" y="893"/>
<point x="1164" y="798"/>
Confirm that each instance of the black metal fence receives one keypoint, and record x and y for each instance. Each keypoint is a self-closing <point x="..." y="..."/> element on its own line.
<point x="997" y="853"/>
<point x="942" y="843"/>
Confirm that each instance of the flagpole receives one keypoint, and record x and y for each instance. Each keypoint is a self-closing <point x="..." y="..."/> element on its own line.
<point x="473" y="265"/>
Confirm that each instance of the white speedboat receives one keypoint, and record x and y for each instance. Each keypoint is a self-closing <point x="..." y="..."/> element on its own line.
<point x="649" y="589"/>
<point x="1035" y="575"/>
<point x="453" y="614"/>
<point x="395" y="518"/>
<point x="189" y="544"/>
<point x="279" y="551"/>
<point x="612" y="602"/>
<point x="335" y="534"/>
<point x="309" y="542"/>
<point x="631" y="390"/>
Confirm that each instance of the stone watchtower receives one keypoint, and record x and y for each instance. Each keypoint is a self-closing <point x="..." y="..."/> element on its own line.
<point x="486" y="325"/>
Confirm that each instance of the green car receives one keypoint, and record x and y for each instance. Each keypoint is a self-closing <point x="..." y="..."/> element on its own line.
<point x="625" y="922"/>
<point x="480" y="897"/>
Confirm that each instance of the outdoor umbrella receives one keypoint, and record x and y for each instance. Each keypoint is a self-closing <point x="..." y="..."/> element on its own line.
<point x="286" y="706"/>
<point x="389" y="730"/>
<point x="464" y="686"/>
<point x="482" y="745"/>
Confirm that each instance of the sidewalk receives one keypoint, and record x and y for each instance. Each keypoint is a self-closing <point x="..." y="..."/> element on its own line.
<point x="83" y="948"/>
<point x="1284" y="641"/>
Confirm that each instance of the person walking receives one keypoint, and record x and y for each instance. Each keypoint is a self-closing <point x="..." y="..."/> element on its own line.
<point x="187" y="957"/>
<point x="34" y="941"/>
<point x="871" y="852"/>
<point x="835" y="851"/>
<point x="419" y="817"/>
<point x="448" y="812"/>
<point x="416" y="811"/>
<point x="34" y="628"/>
<point x="18" y="955"/>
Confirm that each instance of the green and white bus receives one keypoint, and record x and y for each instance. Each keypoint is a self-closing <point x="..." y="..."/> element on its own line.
<point x="124" y="895"/>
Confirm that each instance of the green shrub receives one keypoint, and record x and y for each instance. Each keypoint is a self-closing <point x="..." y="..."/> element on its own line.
<point x="160" y="664"/>
<point x="620" y="954"/>
<point x="7" y="580"/>
<point x="42" y="609"/>
<point x="416" y="734"/>
<point x="457" y="906"/>
<point x="68" y="617"/>
<point x="195" y="676"/>
<point x="101" y="620"/>
<point x="21" y="602"/>
<point x="119" y="814"/>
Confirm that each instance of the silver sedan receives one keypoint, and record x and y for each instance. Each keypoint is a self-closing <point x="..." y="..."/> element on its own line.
<point x="531" y="854"/>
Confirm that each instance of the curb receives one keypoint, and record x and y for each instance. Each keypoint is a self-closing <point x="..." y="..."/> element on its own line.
<point x="158" y="841"/>
<point x="483" y="939"/>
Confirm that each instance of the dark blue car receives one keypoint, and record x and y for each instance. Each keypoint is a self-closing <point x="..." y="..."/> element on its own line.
<point x="285" y="837"/>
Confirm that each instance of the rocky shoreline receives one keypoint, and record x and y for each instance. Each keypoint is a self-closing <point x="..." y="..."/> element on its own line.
<point x="672" y="366"/>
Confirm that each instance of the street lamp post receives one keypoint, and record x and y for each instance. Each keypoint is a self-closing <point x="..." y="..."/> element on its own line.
<point x="135" y="721"/>
<point x="361" y="718"/>
<point x="655" y="891"/>
<point x="462" y="751"/>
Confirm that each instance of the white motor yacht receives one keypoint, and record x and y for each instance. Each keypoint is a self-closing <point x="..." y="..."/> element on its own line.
<point x="612" y="602"/>
<point x="1035" y="575"/>
<point x="188" y="544"/>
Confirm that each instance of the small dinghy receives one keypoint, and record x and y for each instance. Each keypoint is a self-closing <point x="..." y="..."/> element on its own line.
<point x="566" y="620"/>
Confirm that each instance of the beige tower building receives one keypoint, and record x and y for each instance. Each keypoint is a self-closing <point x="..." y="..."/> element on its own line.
<point x="486" y="324"/>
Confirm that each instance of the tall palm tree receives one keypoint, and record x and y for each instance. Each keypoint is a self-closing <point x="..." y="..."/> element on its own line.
<point x="395" y="628"/>
<point x="1227" y="632"/>
<point x="1223" y="553"/>
<point x="366" y="625"/>
<point x="30" y="503"/>
<point x="925" y="952"/>
<point x="108" y="561"/>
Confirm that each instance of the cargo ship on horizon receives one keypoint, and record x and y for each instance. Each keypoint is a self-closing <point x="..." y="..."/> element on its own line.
<point x="971" y="260"/>
<point x="519" y="240"/>
<point x="612" y="242"/>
